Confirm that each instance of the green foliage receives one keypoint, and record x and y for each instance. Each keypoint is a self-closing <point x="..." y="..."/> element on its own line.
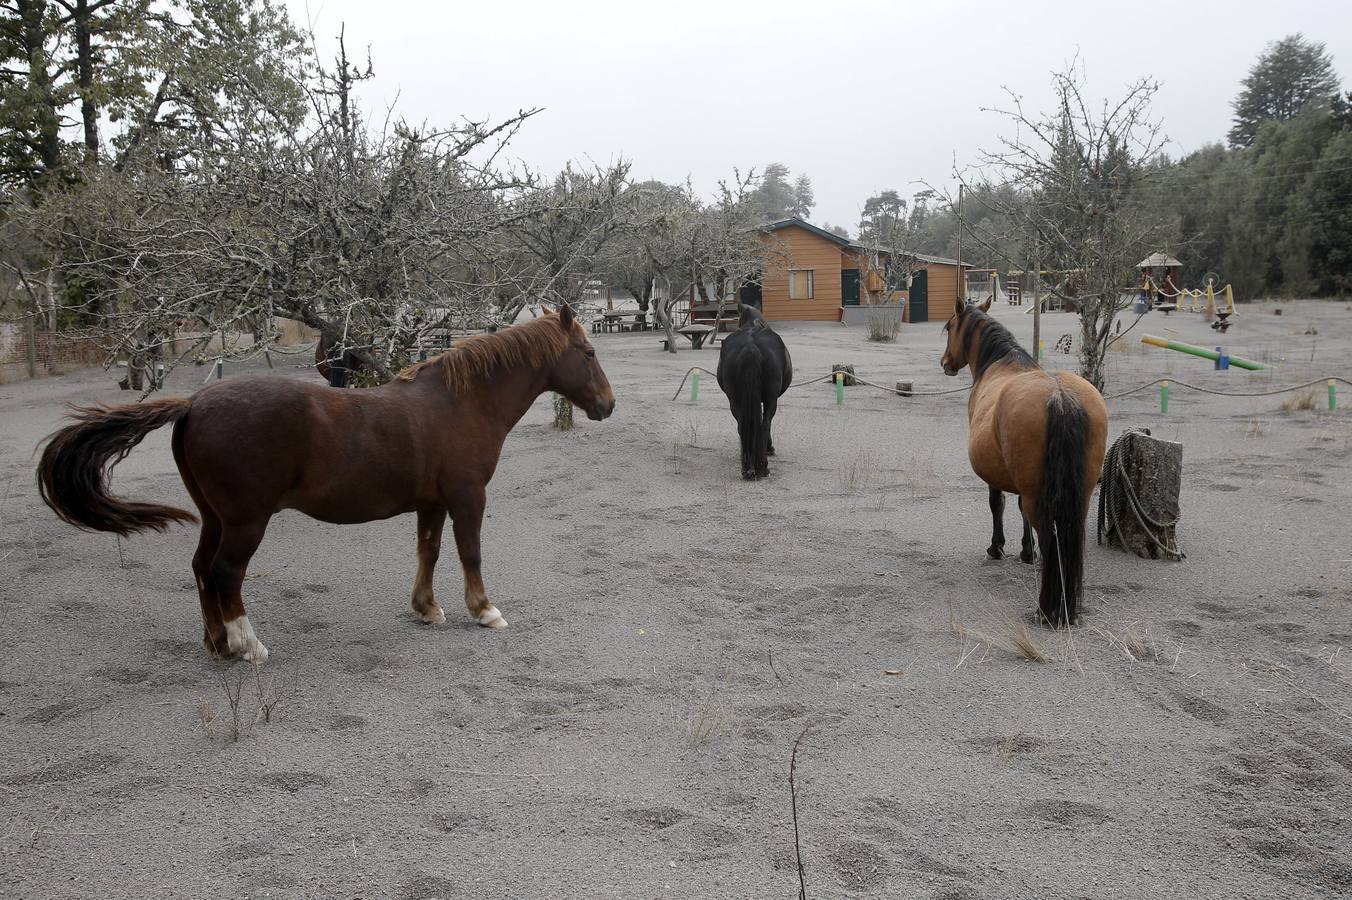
<point x="1290" y="75"/>
<point x="778" y="197"/>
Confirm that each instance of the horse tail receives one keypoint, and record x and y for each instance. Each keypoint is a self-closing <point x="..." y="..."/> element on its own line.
<point x="73" y="471"/>
<point x="1062" y="507"/>
<point x="750" y="421"/>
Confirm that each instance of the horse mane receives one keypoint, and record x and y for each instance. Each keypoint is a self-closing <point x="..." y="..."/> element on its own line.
<point x="536" y="344"/>
<point x="994" y="343"/>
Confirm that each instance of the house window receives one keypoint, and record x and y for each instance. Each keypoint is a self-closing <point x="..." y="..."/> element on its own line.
<point x="800" y="284"/>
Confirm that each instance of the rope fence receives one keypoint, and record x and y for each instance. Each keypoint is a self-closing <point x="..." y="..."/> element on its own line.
<point x="1171" y="382"/>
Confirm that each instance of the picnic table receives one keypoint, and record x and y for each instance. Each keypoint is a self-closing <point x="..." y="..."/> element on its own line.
<point x="707" y="313"/>
<point x="698" y="334"/>
<point x="613" y="320"/>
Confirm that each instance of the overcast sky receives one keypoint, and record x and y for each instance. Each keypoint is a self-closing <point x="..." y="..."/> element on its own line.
<point x="861" y="96"/>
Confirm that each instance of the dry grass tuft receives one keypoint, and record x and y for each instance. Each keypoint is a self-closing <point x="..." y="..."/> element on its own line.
<point x="1254" y="428"/>
<point x="1133" y="640"/>
<point x="206" y="716"/>
<point x="1026" y="644"/>
<point x="860" y="468"/>
<point x="1008" y="634"/>
<point x="1302" y="401"/>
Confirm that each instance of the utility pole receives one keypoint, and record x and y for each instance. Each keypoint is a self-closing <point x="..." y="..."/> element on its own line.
<point x="962" y="277"/>
<point x="1037" y="307"/>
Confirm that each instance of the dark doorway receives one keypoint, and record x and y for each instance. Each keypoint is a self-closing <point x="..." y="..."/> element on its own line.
<point x="849" y="287"/>
<point x="919" y="310"/>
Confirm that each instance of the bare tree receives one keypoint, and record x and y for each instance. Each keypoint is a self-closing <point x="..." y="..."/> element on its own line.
<point x="372" y="238"/>
<point x="704" y="250"/>
<point x="1075" y="177"/>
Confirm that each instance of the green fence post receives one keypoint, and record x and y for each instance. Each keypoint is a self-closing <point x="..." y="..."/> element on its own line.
<point x="694" y="385"/>
<point x="1164" y="396"/>
<point x="1333" y="399"/>
<point x="840" y="389"/>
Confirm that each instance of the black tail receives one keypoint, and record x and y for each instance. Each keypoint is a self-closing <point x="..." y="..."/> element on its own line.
<point x="73" y="471"/>
<point x="1062" y="506"/>
<point x="750" y="420"/>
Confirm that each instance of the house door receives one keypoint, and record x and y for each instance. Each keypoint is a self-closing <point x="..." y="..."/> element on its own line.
<point x="919" y="311"/>
<point x="849" y="287"/>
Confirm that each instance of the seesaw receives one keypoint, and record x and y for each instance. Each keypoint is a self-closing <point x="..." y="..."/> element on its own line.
<point x="1203" y="352"/>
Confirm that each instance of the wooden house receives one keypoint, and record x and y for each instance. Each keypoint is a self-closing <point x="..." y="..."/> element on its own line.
<point x="821" y="276"/>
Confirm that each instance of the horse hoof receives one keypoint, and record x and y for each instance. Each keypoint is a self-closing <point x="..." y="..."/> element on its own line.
<point x="995" y="552"/>
<point x="492" y="618"/>
<point x="217" y="647"/>
<point x="240" y="639"/>
<point x="432" y="616"/>
<point x="748" y="475"/>
<point x="256" y="653"/>
<point x="770" y="451"/>
<point x="1027" y="557"/>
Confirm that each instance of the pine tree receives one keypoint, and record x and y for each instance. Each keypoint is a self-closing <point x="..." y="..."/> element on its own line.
<point x="1290" y="75"/>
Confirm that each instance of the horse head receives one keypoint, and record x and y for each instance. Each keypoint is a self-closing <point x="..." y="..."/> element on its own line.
<point x="748" y="316"/>
<point x="955" y="351"/>
<point x="577" y="374"/>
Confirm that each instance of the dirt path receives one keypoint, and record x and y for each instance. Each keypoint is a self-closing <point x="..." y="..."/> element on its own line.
<point x="674" y="628"/>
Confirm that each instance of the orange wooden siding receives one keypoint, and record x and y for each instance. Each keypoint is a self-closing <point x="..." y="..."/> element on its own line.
<point x="826" y="258"/>
<point x="806" y="251"/>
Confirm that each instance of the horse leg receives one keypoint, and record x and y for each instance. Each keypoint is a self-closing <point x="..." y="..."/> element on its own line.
<point x="467" y="515"/>
<point x="997" y="548"/>
<point x="213" y="626"/>
<point x="770" y="406"/>
<point x="1026" y="554"/>
<point x="237" y="546"/>
<point x="430" y="523"/>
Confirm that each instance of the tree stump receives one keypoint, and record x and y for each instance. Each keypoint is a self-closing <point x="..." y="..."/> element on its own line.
<point x="1138" y="496"/>
<point x="849" y="374"/>
<point x="563" y="413"/>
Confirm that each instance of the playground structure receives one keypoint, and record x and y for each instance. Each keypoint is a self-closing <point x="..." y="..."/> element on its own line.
<point x="984" y="284"/>
<point x="1159" y="283"/>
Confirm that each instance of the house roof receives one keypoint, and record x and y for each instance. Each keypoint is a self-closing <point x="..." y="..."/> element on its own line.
<point x="852" y="245"/>
<point x="1158" y="259"/>
<point x="923" y="257"/>
<point x="808" y="226"/>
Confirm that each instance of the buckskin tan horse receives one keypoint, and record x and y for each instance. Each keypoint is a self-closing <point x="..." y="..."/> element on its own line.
<point x="1037" y="434"/>
<point x="250" y="447"/>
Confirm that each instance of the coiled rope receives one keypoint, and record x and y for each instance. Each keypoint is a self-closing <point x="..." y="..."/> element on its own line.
<point x="1115" y="487"/>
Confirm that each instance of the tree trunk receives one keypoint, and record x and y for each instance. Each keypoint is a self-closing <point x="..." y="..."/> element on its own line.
<point x="84" y="74"/>
<point x="1138" y="499"/>
<point x="662" y="308"/>
<point x="32" y="14"/>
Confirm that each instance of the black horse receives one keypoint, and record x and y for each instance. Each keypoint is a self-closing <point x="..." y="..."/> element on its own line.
<point x="754" y="370"/>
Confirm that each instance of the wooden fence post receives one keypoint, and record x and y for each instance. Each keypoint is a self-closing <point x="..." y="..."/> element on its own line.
<point x="30" y="337"/>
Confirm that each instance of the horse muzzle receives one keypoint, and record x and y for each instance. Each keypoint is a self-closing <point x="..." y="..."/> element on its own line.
<point x="949" y="370"/>
<point x="601" y="410"/>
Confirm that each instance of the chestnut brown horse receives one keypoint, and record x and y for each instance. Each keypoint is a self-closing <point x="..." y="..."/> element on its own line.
<point x="250" y="447"/>
<point x="1037" y="434"/>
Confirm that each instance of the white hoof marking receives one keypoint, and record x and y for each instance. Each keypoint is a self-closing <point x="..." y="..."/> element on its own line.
<point x="492" y="618"/>
<point x="240" y="638"/>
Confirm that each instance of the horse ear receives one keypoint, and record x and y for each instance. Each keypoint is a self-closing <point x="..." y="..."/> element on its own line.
<point x="985" y="307"/>
<point x="566" y="316"/>
<point x="960" y="307"/>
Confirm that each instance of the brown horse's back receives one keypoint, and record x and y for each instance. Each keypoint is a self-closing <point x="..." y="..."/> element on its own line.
<point x="258" y="445"/>
<point x="1008" y="414"/>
